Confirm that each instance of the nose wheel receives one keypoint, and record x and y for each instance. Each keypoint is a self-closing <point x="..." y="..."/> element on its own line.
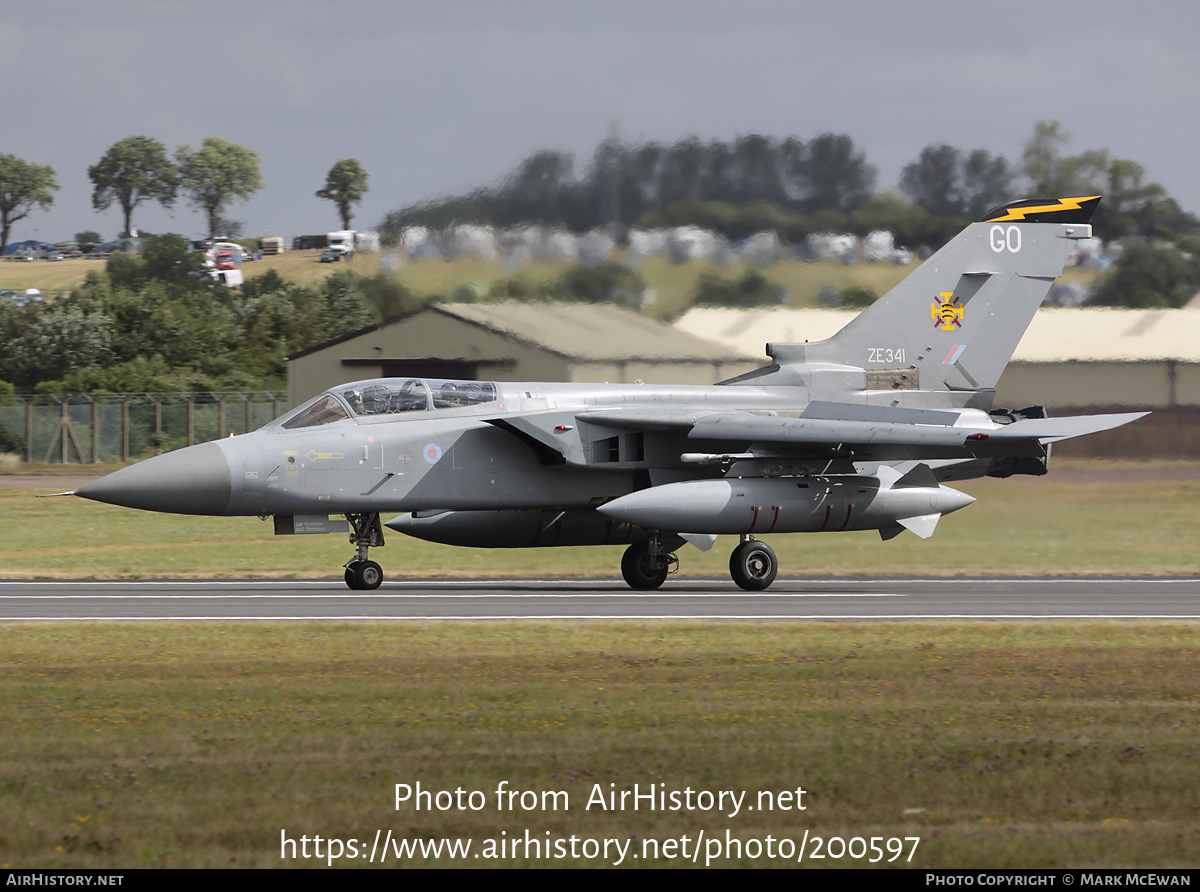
<point x="363" y="574"/>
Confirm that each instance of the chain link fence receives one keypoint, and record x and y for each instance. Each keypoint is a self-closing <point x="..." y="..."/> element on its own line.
<point x="116" y="427"/>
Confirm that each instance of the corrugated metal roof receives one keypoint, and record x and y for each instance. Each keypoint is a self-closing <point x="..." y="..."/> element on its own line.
<point x="1055" y="335"/>
<point x="1095" y="334"/>
<point x="597" y="332"/>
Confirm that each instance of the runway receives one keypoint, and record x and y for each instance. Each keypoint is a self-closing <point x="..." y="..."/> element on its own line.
<point x="688" y="599"/>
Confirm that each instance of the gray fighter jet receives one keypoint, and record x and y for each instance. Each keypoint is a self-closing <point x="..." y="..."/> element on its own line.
<point x="859" y="431"/>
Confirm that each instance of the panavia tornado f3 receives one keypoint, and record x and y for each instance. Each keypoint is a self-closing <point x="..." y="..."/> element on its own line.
<point x="857" y="432"/>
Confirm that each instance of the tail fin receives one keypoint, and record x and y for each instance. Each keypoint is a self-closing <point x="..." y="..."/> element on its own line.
<point x="956" y="320"/>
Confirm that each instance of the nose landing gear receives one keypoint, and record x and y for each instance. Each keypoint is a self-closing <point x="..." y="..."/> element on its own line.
<point x="365" y="531"/>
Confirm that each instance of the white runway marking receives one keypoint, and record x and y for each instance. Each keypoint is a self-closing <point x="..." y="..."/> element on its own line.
<point x="602" y="616"/>
<point x="500" y="583"/>
<point x="451" y="596"/>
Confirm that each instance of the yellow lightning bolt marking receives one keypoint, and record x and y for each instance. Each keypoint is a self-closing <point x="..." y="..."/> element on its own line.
<point x="1063" y="204"/>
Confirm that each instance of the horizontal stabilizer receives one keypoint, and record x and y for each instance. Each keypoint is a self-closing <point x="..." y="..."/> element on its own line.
<point x="1051" y="430"/>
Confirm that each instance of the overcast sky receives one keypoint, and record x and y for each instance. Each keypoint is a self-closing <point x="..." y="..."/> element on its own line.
<point x="435" y="98"/>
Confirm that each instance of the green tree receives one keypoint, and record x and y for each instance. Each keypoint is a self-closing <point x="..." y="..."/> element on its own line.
<point x="1150" y="276"/>
<point x="167" y="258"/>
<point x="88" y="239"/>
<point x="1131" y="204"/>
<point x="1041" y="159"/>
<point x="934" y="180"/>
<point x="132" y="171"/>
<point x="910" y="224"/>
<point x="58" y="340"/>
<point x="345" y="185"/>
<point x="948" y="182"/>
<point x="125" y="270"/>
<point x="987" y="182"/>
<point x="839" y="177"/>
<point x="344" y="309"/>
<point x="23" y="187"/>
<point x="215" y="175"/>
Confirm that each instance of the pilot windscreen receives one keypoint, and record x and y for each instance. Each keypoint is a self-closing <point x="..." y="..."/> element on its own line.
<point x="325" y="410"/>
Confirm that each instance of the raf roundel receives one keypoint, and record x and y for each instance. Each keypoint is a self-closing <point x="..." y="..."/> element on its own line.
<point x="433" y="453"/>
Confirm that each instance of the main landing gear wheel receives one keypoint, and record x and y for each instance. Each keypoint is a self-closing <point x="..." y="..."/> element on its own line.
<point x="642" y="570"/>
<point x="753" y="566"/>
<point x="364" y="576"/>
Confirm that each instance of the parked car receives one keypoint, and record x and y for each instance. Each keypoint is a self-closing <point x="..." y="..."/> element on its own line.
<point x="334" y="253"/>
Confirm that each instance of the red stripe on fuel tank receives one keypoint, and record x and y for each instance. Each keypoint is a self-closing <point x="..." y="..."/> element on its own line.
<point x="849" y="508"/>
<point x="826" y="520"/>
<point x="775" y="520"/>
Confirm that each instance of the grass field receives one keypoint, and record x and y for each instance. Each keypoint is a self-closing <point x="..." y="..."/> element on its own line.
<point x="1092" y="518"/>
<point x="994" y="744"/>
<point x="1069" y="744"/>
<point x="673" y="285"/>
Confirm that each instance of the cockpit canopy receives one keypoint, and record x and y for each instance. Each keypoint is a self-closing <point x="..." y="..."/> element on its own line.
<point x="388" y="396"/>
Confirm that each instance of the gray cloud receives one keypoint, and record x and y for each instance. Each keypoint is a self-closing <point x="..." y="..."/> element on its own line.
<point x="434" y="98"/>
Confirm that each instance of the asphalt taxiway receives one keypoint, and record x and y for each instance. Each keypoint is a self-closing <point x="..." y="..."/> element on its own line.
<point x="511" y="599"/>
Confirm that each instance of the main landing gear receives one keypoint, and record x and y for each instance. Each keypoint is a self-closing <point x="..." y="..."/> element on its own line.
<point x="645" y="565"/>
<point x="752" y="565"/>
<point x="365" y="530"/>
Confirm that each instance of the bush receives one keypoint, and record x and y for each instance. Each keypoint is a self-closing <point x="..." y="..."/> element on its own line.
<point x="604" y="283"/>
<point x="11" y="441"/>
<point x="167" y="259"/>
<point x="752" y="290"/>
<point x="1149" y="276"/>
<point x="855" y="297"/>
<point x="125" y="271"/>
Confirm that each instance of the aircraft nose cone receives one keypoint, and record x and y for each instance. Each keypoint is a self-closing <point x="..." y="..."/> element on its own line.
<point x="951" y="499"/>
<point x="195" y="480"/>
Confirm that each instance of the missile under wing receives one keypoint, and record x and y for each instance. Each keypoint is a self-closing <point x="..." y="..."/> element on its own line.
<point x="859" y="431"/>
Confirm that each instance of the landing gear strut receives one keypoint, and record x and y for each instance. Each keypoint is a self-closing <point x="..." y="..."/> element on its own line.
<point x="753" y="564"/>
<point x="366" y="530"/>
<point x="645" y="565"/>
